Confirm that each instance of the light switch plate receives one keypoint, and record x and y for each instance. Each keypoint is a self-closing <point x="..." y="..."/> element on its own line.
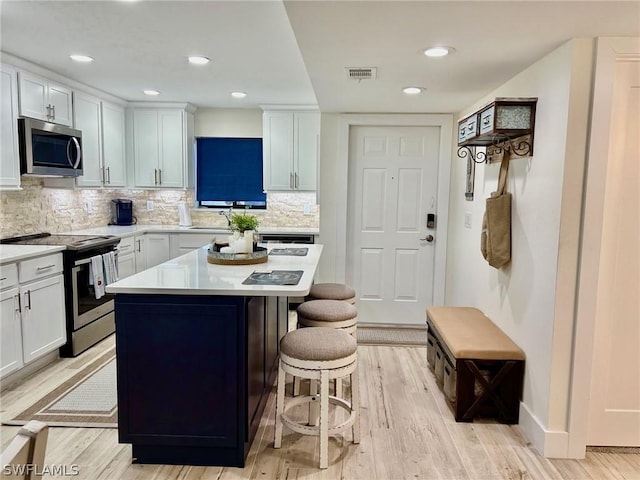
<point x="149" y="205"/>
<point x="467" y="219"/>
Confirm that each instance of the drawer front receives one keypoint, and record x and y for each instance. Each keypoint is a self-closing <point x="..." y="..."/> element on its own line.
<point x="472" y="127"/>
<point x="486" y="120"/>
<point x="439" y="366"/>
<point x="431" y="349"/>
<point x="126" y="246"/>
<point x="40" y="267"/>
<point x="8" y="275"/>
<point x="449" y="380"/>
<point x="197" y="240"/>
<point x="462" y="131"/>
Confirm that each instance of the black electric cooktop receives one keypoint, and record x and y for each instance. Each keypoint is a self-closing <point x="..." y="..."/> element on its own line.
<point x="296" y="252"/>
<point x="274" y="277"/>
<point x="72" y="242"/>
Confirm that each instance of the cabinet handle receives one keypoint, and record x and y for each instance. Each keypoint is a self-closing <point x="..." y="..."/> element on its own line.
<point x="155" y="175"/>
<point x="291" y="180"/>
<point x="102" y="176"/>
<point x="28" y="295"/>
<point x="19" y="309"/>
<point x="3" y="279"/>
<point x="160" y="176"/>
<point x="48" y="112"/>
<point x="295" y="183"/>
<point x="53" y="110"/>
<point x="45" y="268"/>
<point x="109" y="175"/>
<point x="138" y="245"/>
<point x="485" y="121"/>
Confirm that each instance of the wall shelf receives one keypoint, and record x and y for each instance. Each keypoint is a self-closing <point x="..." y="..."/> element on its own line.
<point x="506" y="124"/>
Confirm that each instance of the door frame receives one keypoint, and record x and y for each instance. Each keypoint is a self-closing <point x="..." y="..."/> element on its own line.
<point x="445" y="123"/>
<point x="609" y="51"/>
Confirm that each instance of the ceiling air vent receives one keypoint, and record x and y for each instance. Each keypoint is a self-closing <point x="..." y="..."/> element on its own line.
<point x="362" y="73"/>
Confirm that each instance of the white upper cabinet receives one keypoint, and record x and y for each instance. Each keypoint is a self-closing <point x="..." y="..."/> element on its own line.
<point x="102" y="126"/>
<point x="43" y="99"/>
<point x="86" y="110"/>
<point x="291" y="142"/>
<point x="162" y="147"/>
<point x="9" y="160"/>
<point x="113" y="145"/>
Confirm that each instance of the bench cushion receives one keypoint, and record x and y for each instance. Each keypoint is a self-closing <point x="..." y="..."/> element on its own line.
<point x="470" y="334"/>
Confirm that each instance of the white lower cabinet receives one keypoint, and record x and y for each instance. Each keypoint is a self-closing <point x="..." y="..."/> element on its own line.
<point x="43" y="322"/>
<point x="140" y="252"/>
<point x="32" y="311"/>
<point x="182" y="243"/>
<point x="157" y="249"/>
<point x="10" y="332"/>
<point x="126" y="258"/>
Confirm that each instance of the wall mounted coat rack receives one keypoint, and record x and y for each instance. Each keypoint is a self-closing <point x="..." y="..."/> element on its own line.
<point x="506" y="124"/>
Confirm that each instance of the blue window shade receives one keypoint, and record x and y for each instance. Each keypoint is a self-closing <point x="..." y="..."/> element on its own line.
<point x="229" y="169"/>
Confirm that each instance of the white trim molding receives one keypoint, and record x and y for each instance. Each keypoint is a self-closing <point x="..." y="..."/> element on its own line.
<point x="445" y="123"/>
<point x="548" y="443"/>
<point x="609" y="51"/>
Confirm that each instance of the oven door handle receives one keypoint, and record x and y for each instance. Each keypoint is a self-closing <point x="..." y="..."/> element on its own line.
<point x="84" y="261"/>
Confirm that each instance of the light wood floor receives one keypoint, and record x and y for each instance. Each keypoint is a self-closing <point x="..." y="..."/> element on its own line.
<point x="408" y="432"/>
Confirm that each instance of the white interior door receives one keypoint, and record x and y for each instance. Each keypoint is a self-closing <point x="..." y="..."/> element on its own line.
<point x="393" y="174"/>
<point x="614" y="415"/>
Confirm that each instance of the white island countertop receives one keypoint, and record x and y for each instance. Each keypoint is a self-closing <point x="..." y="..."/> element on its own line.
<point x="191" y="274"/>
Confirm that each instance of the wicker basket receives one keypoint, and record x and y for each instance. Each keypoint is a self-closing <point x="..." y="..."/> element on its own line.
<point x="258" y="256"/>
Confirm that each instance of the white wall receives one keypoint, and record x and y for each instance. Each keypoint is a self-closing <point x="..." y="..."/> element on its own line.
<point x="228" y="122"/>
<point x="328" y="197"/>
<point x="532" y="299"/>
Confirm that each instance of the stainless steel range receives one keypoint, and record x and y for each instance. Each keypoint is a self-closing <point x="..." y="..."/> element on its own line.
<point x="89" y="319"/>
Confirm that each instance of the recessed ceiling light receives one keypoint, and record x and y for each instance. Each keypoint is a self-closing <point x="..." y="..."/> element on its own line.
<point x="81" y="58"/>
<point x="412" y="90"/>
<point x="238" y="94"/>
<point x="151" y="92"/>
<point x="198" y="60"/>
<point x="438" y="51"/>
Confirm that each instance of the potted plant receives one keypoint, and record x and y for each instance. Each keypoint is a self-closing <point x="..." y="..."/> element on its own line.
<point x="243" y="224"/>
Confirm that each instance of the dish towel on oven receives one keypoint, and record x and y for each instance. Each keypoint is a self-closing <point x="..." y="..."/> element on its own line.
<point x="110" y="270"/>
<point x="96" y="275"/>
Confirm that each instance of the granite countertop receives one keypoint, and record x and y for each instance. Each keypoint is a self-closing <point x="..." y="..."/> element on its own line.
<point x="130" y="230"/>
<point x="13" y="253"/>
<point x="191" y="274"/>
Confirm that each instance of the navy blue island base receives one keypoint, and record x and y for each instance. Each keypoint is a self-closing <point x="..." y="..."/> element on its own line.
<point x="194" y="374"/>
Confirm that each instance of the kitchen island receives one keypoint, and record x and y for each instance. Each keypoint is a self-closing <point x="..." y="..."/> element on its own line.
<point x="196" y="353"/>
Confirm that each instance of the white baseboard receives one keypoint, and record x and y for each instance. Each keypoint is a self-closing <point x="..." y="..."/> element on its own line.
<point x="548" y="443"/>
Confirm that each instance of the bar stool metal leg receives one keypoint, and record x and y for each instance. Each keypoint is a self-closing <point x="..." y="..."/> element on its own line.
<point x="279" y="407"/>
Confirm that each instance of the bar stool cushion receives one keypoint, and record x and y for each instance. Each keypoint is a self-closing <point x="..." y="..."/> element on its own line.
<point x="318" y="344"/>
<point x="332" y="291"/>
<point x="327" y="310"/>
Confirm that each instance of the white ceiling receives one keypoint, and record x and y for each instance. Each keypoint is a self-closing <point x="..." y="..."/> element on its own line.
<point x="295" y="52"/>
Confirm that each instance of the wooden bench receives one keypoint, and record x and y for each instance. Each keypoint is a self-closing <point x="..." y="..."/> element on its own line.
<point x="479" y="368"/>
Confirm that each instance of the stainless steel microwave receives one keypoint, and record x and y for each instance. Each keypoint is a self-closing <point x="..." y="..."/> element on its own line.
<point x="48" y="149"/>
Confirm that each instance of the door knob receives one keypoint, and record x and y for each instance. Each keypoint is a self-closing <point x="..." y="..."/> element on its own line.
<point x="428" y="238"/>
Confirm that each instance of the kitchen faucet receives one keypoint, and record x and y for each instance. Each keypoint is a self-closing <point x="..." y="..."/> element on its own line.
<point x="227" y="215"/>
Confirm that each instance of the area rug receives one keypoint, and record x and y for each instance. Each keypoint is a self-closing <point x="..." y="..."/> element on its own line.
<point x="407" y="337"/>
<point x="88" y="399"/>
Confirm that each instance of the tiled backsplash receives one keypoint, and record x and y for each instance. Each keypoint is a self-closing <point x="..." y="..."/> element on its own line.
<point x="36" y="208"/>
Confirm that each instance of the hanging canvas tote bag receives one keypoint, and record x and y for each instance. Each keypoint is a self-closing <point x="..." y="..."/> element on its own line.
<point x="495" y="241"/>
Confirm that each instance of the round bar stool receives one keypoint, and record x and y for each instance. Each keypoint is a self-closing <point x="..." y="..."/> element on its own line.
<point x="332" y="291"/>
<point x="335" y="314"/>
<point x="319" y="354"/>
